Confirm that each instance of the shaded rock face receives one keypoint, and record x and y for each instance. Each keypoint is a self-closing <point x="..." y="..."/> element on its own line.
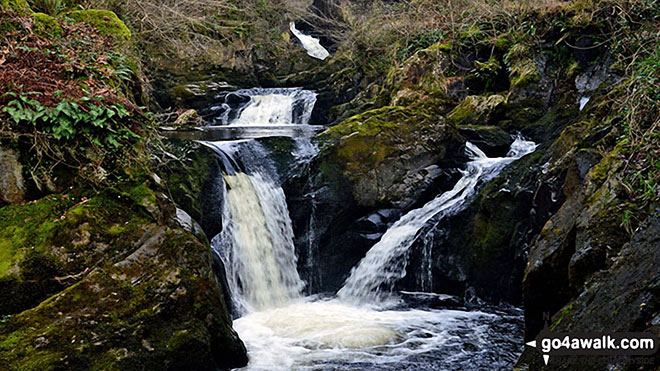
<point x="191" y="175"/>
<point x="118" y="315"/>
<point x="481" y="250"/>
<point x="580" y="191"/>
<point x="128" y="286"/>
<point x="12" y="189"/>
<point x="632" y="281"/>
<point x="386" y="154"/>
<point x="625" y="297"/>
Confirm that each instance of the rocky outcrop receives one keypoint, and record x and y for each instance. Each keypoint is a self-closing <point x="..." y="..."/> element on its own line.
<point x="12" y="188"/>
<point x="190" y="174"/>
<point x="583" y="233"/>
<point x="371" y="167"/>
<point x="625" y="297"/>
<point x="387" y="154"/>
<point x="95" y="283"/>
<point x="632" y="281"/>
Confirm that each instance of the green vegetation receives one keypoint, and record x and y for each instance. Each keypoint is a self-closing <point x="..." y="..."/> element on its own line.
<point x="52" y="237"/>
<point x="105" y="21"/>
<point x="21" y="7"/>
<point x="68" y="102"/>
<point x="365" y="140"/>
<point x="46" y="25"/>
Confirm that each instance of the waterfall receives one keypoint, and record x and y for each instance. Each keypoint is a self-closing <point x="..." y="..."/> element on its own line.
<point x="311" y="44"/>
<point x="374" y="277"/>
<point x="256" y="242"/>
<point x="264" y="107"/>
<point x="283" y="329"/>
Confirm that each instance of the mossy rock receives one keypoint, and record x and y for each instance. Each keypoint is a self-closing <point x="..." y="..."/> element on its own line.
<point x="426" y="73"/>
<point x="157" y="308"/>
<point x="105" y="21"/>
<point x="46" y="25"/>
<point x="476" y="110"/>
<point x="118" y="285"/>
<point x="192" y="182"/>
<point x="57" y="236"/>
<point x="383" y="152"/>
<point x="21" y="7"/>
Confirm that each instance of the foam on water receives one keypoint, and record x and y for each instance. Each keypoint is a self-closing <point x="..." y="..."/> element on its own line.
<point x="358" y="329"/>
<point x="331" y="334"/>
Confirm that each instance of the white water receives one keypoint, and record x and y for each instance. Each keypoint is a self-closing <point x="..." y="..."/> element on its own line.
<point x="256" y="242"/>
<point x="583" y="101"/>
<point x="311" y="44"/>
<point x="331" y="335"/>
<point x="385" y="263"/>
<point x="342" y="333"/>
<point x="268" y="107"/>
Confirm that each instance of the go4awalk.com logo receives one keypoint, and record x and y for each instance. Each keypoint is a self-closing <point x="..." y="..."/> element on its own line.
<point x="616" y="344"/>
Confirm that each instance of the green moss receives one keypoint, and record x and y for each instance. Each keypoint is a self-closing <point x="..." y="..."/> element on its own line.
<point x="120" y="315"/>
<point x="476" y="110"/>
<point x="366" y="139"/>
<point x="105" y="21"/>
<point x="19" y="6"/>
<point x="143" y="196"/>
<point x="502" y="41"/>
<point x="441" y="46"/>
<point x="565" y="313"/>
<point x="57" y="236"/>
<point x="470" y="32"/>
<point x="25" y="227"/>
<point x="601" y="170"/>
<point x="46" y="25"/>
<point x="522" y="68"/>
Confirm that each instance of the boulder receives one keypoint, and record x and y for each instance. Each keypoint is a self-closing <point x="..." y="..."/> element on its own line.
<point x="386" y="153"/>
<point x="116" y="281"/>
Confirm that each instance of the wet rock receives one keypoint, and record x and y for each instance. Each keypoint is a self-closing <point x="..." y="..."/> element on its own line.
<point x="482" y="248"/>
<point x="186" y="119"/>
<point x="191" y="175"/>
<point x="581" y="236"/>
<point x="430" y="300"/>
<point x="124" y="284"/>
<point x="385" y="153"/>
<point x="133" y="300"/>
<point x="494" y="141"/>
<point x="623" y="298"/>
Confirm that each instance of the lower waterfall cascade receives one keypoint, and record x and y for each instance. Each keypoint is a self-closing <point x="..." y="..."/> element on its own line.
<point x="363" y="326"/>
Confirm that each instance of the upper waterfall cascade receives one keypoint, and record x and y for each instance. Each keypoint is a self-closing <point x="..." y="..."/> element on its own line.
<point x="264" y="107"/>
<point x="311" y="44"/>
<point x="385" y="263"/>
